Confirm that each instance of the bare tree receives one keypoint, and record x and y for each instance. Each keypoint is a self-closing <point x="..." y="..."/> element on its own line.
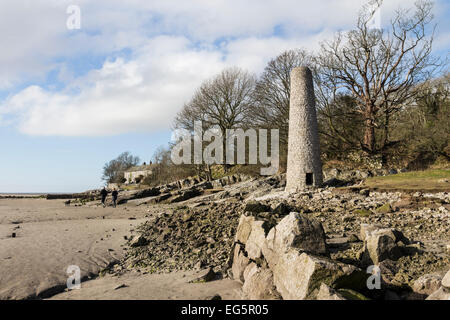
<point x="224" y="101"/>
<point x="380" y="68"/>
<point x="272" y="91"/>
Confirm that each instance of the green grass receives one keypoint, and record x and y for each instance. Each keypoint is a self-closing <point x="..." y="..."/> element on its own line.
<point x="415" y="180"/>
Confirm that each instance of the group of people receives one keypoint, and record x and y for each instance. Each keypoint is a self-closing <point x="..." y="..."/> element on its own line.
<point x="114" y="195"/>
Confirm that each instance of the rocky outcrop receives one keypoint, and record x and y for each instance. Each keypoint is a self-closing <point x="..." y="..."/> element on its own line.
<point x="298" y="276"/>
<point x="255" y="233"/>
<point x="289" y="261"/>
<point x="259" y="284"/>
<point x="125" y="196"/>
<point x="298" y="232"/>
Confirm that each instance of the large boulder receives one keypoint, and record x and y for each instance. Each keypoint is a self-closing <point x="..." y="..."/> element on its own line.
<point x="380" y="244"/>
<point x="298" y="276"/>
<point x="256" y="240"/>
<point x="244" y="228"/>
<point x="294" y="231"/>
<point x="240" y="262"/>
<point x="259" y="284"/>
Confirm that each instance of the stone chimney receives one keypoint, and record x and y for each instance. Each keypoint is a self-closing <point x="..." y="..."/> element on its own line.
<point x="304" y="167"/>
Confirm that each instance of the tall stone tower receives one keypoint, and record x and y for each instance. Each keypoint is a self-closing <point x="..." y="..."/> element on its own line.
<point x="304" y="168"/>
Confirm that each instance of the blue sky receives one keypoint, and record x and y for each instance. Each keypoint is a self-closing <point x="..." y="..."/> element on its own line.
<point x="71" y="100"/>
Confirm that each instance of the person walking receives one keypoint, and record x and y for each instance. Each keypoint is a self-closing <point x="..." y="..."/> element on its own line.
<point x="103" y="193"/>
<point x="115" y="194"/>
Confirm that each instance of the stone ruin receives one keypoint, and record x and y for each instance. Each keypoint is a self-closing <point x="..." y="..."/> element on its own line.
<point x="304" y="167"/>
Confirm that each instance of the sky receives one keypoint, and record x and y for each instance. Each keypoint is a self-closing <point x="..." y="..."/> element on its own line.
<point x="71" y="99"/>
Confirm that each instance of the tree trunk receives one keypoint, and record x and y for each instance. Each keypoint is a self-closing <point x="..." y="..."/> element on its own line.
<point x="369" y="131"/>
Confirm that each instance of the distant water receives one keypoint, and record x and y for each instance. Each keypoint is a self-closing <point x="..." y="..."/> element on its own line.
<point x="21" y="194"/>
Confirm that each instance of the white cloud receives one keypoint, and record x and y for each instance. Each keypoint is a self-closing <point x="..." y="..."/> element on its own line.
<point x="145" y="90"/>
<point x="142" y="94"/>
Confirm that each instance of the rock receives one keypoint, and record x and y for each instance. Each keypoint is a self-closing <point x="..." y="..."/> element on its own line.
<point x="244" y="228"/>
<point x="256" y="207"/>
<point x="256" y="241"/>
<point x="240" y="262"/>
<point x="440" y="294"/>
<point x="364" y="192"/>
<point x="332" y="173"/>
<point x="353" y="238"/>
<point x="388" y="269"/>
<point x="380" y="245"/>
<point x="446" y="280"/>
<point x="294" y="231"/>
<point x="363" y="212"/>
<point x="125" y="196"/>
<point x="199" y="265"/>
<point x="366" y="229"/>
<point x="214" y="297"/>
<point x="362" y="174"/>
<point x="385" y="208"/>
<point x="328" y="293"/>
<point x="205" y="276"/>
<point x="298" y="276"/>
<point x="184" y="195"/>
<point x="334" y="182"/>
<point x="282" y="209"/>
<point x="427" y="284"/>
<point x="204" y="185"/>
<point x="251" y="269"/>
<point x="402" y="204"/>
<point x="138" y="241"/>
<point x="259" y="285"/>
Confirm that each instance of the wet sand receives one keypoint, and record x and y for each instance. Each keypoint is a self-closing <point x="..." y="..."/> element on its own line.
<point x="51" y="236"/>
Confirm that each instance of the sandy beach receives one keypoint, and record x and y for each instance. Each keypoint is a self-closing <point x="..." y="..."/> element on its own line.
<point x="50" y="236"/>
